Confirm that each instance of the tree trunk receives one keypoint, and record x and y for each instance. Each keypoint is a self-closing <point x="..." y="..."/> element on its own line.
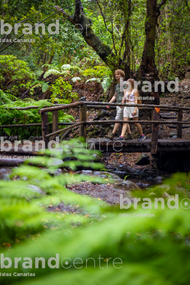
<point x="148" y="70"/>
<point x="148" y="57"/>
<point x="148" y="65"/>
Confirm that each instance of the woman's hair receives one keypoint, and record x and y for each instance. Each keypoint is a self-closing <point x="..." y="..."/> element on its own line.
<point x="121" y="72"/>
<point x="132" y="83"/>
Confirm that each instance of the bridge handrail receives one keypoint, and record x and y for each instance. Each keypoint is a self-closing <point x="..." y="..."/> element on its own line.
<point x="103" y="104"/>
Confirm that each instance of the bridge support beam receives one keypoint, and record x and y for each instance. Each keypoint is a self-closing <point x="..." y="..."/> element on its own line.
<point x="55" y="122"/>
<point x="45" y="128"/>
<point x="179" y="126"/>
<point x="155" y="128"/>
<point x="82" y="128"/>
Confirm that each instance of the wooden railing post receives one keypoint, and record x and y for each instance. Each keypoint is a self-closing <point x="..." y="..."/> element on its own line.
<point x="155" y="128"/>
<point x="82" y="128"/>
<point x="179" y="126"/>
<point x="55" y="122"/>
<point x="45" y="127"/>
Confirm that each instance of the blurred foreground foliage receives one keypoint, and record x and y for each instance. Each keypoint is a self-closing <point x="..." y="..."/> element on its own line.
<point x="151" y="250"/>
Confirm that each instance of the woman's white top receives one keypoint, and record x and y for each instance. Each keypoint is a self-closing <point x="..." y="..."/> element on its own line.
<point x="130" y="96"/>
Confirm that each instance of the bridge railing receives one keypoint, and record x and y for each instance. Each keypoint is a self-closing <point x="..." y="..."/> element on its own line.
<point x="29" y="126"/>
<point x="83" y="122"/>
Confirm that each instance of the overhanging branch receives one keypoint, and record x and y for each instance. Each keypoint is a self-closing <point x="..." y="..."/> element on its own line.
<point x="71" y="19"/>
<point x="103" y="17"/>
<point x="161" y="4"/>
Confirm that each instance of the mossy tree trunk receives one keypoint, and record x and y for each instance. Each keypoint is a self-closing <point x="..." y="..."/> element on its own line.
<point x="148" y="70"/>
<point x="148" y="58"/>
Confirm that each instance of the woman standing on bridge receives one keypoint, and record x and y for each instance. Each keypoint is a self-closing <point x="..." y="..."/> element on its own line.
<point x="131" y="96"/>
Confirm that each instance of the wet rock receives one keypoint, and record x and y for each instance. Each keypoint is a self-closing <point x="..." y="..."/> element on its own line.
<point x="36" y="189"/>
<point x="55" y="162"/>
<point x="104" y="174"/>
<point x="58" y="172"/>
<point x="119" y="173"/>
<point x="172" y="134"/>
<point x="96" y="157"/>
<point x="158" y="179"/>
<point x="102" y="114"/>
<point x="69" y="158"/>
<point x="142" y="185"/>
<point x="101" y="174"/>
<point x="54" y="172"/>
<point x="126" y="186"/>
<point x="83" y="99"/>
<point x="143" y="159"/>
<point x="86" y="172"/>
<point x="4" y="174"/>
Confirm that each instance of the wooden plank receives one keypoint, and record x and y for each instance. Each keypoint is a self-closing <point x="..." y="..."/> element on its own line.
<point x="82" y="118"/>
<point x="179" y="127"/>
<point x="55" y="122"/>
<point x="180" y="143"/>
<point x="63" y="130"/>
<point x="144" y="122"/>
<point x="94" y="104"/>
<point x="105" y="145"/>
<point x="61" y="107"/>
<point x="31" y="125"/>
<point x="45" y="128"/>
<point x="21" y="125"/>
<point x="163" y="107"/>
<point x="155" y="128"/>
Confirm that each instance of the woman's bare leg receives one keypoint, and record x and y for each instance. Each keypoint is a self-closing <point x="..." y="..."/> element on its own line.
<point x="128" y="129"/>
<point x="116" y="127"/>
<point x="125" y="127"/>
<point x="138" y="126"/>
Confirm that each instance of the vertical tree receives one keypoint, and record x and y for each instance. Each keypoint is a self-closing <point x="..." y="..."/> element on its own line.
<point x="148" y="58"/>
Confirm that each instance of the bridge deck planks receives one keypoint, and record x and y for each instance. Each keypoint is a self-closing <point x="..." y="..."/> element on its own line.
<point x="106" y="145"/>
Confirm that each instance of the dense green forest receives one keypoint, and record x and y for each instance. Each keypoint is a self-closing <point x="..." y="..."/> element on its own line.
<point x="50" y="53"/>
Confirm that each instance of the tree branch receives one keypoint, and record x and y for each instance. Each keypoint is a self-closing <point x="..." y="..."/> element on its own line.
<point x="126" y="29"/>
<point x="103" y="17"/>
<point x="78" y="10"/>
<point x="161" y="4"/>
<point x="71" y="19"/>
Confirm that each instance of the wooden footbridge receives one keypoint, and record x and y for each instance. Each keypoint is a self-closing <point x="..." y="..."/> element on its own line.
<point x="154" y="145"/>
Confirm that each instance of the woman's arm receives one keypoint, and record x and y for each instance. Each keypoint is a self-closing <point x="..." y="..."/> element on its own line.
<point x="136" y="96"/>
<point x="124" y="99"/>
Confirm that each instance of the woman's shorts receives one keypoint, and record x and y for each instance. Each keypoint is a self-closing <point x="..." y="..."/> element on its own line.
<point x="128" y="111"/>
<point x="119" y="114"/>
